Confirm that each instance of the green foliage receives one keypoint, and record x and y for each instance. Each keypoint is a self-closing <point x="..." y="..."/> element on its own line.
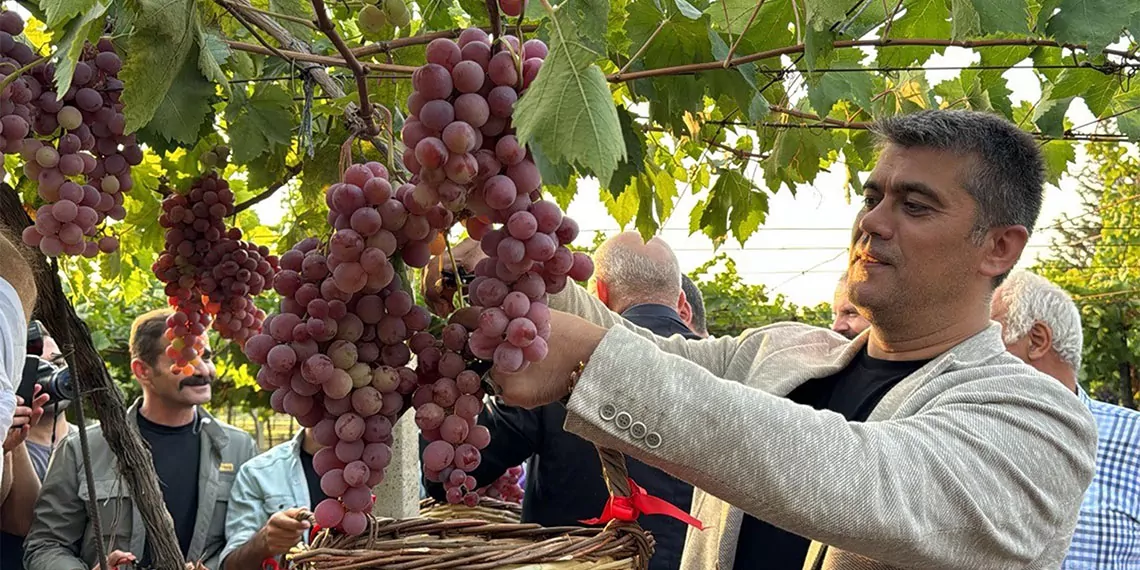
<point x="732" y="306"/>
<point x="1097" y="260"/>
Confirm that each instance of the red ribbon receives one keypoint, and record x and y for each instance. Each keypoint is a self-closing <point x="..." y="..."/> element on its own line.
<point x="638" y="503"/>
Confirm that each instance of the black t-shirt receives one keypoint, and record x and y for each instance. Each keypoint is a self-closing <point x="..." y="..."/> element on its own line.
<point x="316" y="495"/>
<point x="853" y="392"/>
<point x="176" y="452"/>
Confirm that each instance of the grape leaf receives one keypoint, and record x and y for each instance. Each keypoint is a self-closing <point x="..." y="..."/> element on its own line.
<point x="1057" y="154"/>
<point x="964" y="20"/>
<point x="1093" y="22"/>
<point x="70" y="47"/>
<point x="818" y="48"/>
<point x="1128" y="121"/>
<point x="733" y="203"/>
<point x="622" y="207"/>
<point x="552" y="174"/>
<point x="260" y="122"/>
<point x="298" y="8"/>
<point x="160" y="42"/>
<point x="182" y="112"/>
<point x="923" y="19"/>
<point x="829" y="88"/>
<point x="634" y="162"/>
<point x="562" y="194"/>
<point x="679" y="41"/>
<point x="796" y="156"/>
<point x="57" y="12"/>
<point x="616" y="39"/>
<point x="568" y="109"/>
<point x="1096" y="88"/>
<point x="687" y="10"/>
<point x="996" y="16"/>
<point x="435" y="14"/>
<point x="746" y="94"/>
<point x="1049" y="116"/>
<point x="212" y="54"/>
<point x="821" y="14"/>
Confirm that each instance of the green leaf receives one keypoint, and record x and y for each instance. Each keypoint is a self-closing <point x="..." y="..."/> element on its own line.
<point x="436" y="15"/>
<point x="260" y="123"/>
<point x="1093" y="22"/>
<point x="1049" y="116"/>
<point x="160" y="42"/>
<point x="758" y="108"/>
<point x="623" y="207"/>
<point x="299" y="8"/>
<point x="563" y="194"/>
<point x="795" y="157"/>
<point x="1096" y="88"/>
<point x="687" y="10"/>
<point x="821" y="14"/>
<point x="996" y="16"/>
<point x="634" y="162"/>
<point x="70" y="47"/>
<point x="182" y="112"/>
<point x="733" y="204"/>
<point x="552" y="174"/>
<point x="745" y="92"/>
<point x="923" y="19"/>
<point x="827" y="89"/>
<point x="964" y="19"/>
<point x="680" y="41"/>
<point x="1058" y="154"/>
<point x="212" y="54"/>
<point x="616" y="39"/>
<point x="568" y="109"/>
<point x="60" y="11"/>
<point x="818" y="48"/>
<point x="1128" y="122"/>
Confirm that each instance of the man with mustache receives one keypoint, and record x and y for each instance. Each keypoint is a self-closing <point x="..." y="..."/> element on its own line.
<point x="921" y="444"/>
<point x="846" y="319"/>
<point x="196" y="458"/>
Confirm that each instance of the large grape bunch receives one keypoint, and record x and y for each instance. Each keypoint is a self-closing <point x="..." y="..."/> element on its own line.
<point x="506" y="487"/>
<point x="336" y="354"/>
<point x="73" y="145"/>
<point x="210" y="274"/>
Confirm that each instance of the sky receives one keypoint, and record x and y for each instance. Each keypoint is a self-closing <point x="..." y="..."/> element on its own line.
<point x="800" y="250"/>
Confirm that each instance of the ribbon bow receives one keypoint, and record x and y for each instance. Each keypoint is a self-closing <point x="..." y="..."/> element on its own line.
<point x="638" y="503"/>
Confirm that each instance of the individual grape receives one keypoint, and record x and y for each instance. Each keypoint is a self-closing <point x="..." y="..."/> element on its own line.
<point x="548" y="215"/>
<point x="349" y="427"/>
<point x="470" y="35"/>
<point x="431" y="153"/>
<point x="443" y="52"/>
<point x="429" y="416"/>
<point x="436" y="115"/>
<point x="535" y="48"/>
<point x="459" y="137"/>
<point x="479" y="437"/>
<point x="508" y="358"/>
<point x="281" y="358"/>
<point x="432" y="81"/>
<point x="356" y="473"/>
<point x="509" y="151"/>
<point x="357" y="499"/>
<point x="349" y="451"/>
<point x="582" y="268"/>
<point x="501" y="101"/>
<point x="468" y="76"/>
<point x="329" y="513"/>
<point x="525" y="175"/>
<point x="521" y="332"/>
<point x="438" y="455"/>
<point x="324" y="460"/>
<point x="501" y="70"/>
<point x="499" y="192"/>
<point x="530" y="69"/>
<point x="377" y="456"/>
<point x="333" y="483"/>
<point x="467" y="457"/>
<point x="472" y="109"/>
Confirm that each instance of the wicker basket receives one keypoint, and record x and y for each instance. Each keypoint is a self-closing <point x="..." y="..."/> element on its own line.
<point x="485" y="537"/>
<point x="488" y="509"/>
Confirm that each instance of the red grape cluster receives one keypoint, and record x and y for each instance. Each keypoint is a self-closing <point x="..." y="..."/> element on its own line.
<point x="76" y="148"/>
<point x="506" y="487"/>
<point x="336" y="354"/>
<point x="208" y="271"/>
<point x="447" y="402"/>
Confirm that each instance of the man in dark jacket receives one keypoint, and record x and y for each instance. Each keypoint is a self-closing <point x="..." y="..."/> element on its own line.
<point x="642" y="282"/>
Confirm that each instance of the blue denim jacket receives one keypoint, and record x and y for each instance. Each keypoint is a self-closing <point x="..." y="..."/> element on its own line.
<point x="269" y="483"/>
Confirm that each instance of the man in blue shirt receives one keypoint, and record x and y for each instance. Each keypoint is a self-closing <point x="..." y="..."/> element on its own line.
<point x="1042" y="326"/>
<point x="642" y="282"/>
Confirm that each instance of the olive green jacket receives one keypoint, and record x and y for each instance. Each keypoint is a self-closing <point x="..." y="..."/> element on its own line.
<point x="62" y="536"/>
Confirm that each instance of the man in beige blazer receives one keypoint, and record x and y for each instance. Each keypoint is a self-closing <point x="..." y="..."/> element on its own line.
<point x="920" y="444"/>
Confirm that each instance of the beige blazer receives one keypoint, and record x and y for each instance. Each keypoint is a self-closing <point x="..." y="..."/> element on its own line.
<point x="976" y="461"/>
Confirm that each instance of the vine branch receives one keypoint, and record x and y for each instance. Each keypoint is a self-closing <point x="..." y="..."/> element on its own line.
<point x="329" y="29"/>
<point x="264" y="194"/>
<point x="640" y="51"/>
<point x="877" y="43"/>
<point x="297" y="19"/>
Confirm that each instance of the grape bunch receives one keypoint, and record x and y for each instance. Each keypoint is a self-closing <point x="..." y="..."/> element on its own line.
<point x="336" y="354"/>
<point x="464" y="155"/>
<point x="75" y="147"/>
<point x="377" y="18"/>
<point x="210" y="274"/>
<point x="506" y="487"/>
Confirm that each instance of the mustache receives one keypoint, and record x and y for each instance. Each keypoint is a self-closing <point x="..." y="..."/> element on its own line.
<point x="195" y="380"/>
<point x="865" y="247"/>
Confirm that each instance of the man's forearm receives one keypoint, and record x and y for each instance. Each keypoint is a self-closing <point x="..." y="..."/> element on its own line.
<point x="248" y="556"/>
<point x="17" y="511"/>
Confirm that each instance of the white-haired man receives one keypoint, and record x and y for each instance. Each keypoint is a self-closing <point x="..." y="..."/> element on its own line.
<point x="1042" y="326"/>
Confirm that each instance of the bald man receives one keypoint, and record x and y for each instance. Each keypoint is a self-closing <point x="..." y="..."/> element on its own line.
<point x="642" y="282"/>
<point x="846" y="319"/>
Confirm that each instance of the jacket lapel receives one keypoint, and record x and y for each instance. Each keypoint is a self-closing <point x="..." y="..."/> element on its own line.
<point x="209" y="460"/>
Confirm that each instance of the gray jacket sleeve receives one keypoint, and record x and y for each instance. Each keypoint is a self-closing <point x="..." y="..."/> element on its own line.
<point x="982" y="477"/>
<point x="54" y="541"/>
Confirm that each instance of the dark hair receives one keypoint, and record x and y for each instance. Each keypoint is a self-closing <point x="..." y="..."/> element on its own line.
<point x="1008" y="175"/>
<point x="696" y="301"/>
<point x="147" y="333"/>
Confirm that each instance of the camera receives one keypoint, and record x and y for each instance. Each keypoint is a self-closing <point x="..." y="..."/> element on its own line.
<point x="54" y="378"/>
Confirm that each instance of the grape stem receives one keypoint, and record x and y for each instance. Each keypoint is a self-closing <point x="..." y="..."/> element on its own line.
<point x="289" y="174"/>
<point x="496" y="24"/>
<point x="20" y="72"/>
<point x="458" y="300"/>
<point x="329" y="29"/>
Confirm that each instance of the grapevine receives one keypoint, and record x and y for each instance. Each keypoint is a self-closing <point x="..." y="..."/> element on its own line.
<point x="73" y="144"/>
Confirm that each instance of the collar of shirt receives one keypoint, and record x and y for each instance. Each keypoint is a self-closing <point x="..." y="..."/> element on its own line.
<point x="643" y="311"/>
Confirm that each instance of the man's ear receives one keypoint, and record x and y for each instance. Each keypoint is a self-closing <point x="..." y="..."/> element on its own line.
<point x="684" y="309"/>
<point x="1003" y="248"/>
<point x="1040" y="340"/>
<point x="143" y="372"/>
